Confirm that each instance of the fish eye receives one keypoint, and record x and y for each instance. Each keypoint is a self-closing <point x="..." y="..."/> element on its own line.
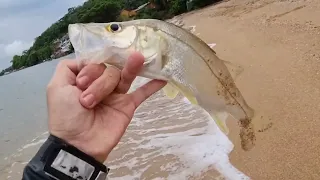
<point x="114" y="28"/>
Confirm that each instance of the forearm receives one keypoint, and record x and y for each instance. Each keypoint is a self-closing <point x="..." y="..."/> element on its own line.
<point x="58" y="160"/>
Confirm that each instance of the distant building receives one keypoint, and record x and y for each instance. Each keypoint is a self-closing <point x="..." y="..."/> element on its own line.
<point x="61" y="47"/>
<point x="131" y="13"/>
<point x="127" y="13"/>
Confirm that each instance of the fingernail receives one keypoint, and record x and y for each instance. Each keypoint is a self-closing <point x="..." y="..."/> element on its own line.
<point x="89" y="100"/>
<point x="83" y="81"/>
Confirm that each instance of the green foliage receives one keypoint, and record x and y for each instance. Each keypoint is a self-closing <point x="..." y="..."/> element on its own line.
<point x="44" y="53"/>
<point x="177" y="7"/>
<point x="97" y="11"/>
<point x="151" y="14"/>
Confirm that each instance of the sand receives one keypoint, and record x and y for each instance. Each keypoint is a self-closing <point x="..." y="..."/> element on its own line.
<point x="277" y="43"/>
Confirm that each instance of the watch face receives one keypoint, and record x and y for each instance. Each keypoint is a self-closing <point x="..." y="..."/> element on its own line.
<point x="66" y="161"/>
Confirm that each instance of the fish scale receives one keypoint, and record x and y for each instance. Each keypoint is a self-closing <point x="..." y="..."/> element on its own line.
<point x="177" y="56"/>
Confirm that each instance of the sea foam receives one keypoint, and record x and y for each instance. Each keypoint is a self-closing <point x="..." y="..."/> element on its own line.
<point x="172" y="139"/>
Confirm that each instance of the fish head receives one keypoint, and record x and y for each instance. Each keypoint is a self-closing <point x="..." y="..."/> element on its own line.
<point x="112" y="43"/>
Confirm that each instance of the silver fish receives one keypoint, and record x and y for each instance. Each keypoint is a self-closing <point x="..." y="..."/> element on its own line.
<point x="172" y="54"/>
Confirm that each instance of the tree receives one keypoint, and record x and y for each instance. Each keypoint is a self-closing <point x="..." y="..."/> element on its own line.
<point x="97" y="11"/>
<point x="16" y="64"/>
<point x="178" y="6"/>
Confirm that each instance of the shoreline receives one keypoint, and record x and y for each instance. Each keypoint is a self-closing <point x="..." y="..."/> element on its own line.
<point x="62" y="45"/>
<point x="14" y="71"/>
<point x="276" y="42"/>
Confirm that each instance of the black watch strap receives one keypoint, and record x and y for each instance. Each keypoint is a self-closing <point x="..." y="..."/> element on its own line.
<point x="63" y="161"/>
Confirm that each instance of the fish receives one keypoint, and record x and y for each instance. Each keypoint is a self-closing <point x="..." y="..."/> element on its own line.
<point x="175" y="55"/>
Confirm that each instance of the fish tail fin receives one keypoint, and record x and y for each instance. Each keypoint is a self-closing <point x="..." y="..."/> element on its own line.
<point x="247" y="134"/>
<point x="221" y="118"/>
<point x="247" y="130"/>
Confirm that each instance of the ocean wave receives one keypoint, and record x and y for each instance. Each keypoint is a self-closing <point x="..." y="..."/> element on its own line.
<point x="41" y="141"/>
<point x="172" y="139"/>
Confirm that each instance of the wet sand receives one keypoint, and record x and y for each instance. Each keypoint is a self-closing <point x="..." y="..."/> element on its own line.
<point x="277" y="43"/>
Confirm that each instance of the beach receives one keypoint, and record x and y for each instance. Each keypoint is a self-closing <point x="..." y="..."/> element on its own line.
<point x="276" y="43"/>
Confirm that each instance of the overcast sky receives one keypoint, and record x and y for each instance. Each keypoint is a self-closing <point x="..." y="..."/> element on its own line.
<point x="21" y="21"/>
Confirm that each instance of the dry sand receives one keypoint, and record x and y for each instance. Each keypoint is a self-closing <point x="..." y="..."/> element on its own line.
<point x="278" y="44"/>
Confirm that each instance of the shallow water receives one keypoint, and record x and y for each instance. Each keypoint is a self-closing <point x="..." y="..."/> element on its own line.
<point x="23" y="114"/>
<point x="167" y="139"/>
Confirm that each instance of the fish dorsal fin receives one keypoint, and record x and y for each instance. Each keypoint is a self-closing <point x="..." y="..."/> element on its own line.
<point x="212" y="45"/>
<point x="234" y="69"/>
<point x="215" y="64"/>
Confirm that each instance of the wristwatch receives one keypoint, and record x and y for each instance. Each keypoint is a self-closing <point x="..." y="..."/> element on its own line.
<point x="63" y="161"/>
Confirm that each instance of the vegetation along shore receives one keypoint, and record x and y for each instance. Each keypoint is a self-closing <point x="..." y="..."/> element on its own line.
<point x="54" y="41"/>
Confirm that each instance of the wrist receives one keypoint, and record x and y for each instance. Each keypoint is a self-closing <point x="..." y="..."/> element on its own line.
<point x="99" y="154"/>
<point x="92" y="148"/>
<point x="63" y="160"/>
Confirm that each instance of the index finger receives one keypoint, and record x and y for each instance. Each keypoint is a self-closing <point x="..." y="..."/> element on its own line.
<point x="89" y="74"/>
<point x="130" y="72"/>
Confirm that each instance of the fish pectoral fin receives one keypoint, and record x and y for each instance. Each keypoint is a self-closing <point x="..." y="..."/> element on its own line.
<point x="234" y="69"/>
<point x="170" y="91"/>
<point x="220" y="118"/>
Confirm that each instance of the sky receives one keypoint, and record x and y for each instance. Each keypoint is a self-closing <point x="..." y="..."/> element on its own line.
<point x="21" y="21"/>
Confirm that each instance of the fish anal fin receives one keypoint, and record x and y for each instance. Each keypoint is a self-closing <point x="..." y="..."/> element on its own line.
<point x="186" y="93"/>
<point x="192" y="99"/>
<point x="221" y="118"/>
<point x="170" y="91"/>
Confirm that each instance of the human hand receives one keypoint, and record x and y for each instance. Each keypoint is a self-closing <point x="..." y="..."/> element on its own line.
<point x="90" y="108"/>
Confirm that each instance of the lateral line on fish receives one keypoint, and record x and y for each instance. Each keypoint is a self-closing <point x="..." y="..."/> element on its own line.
<point x="208" y="64"/>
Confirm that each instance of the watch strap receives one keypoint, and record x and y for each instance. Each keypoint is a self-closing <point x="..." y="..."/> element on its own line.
<point x="64" y="161"/>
